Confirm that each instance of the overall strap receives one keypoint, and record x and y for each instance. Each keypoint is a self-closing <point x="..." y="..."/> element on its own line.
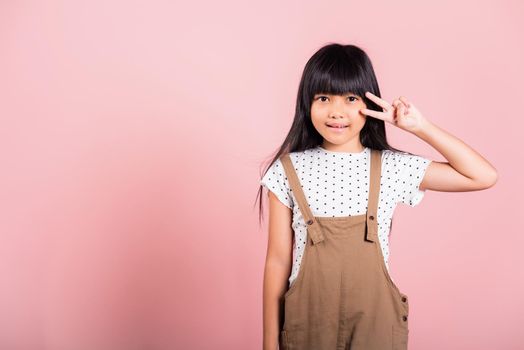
<point x="314" y="230"/>
<point x="374" y="191"/>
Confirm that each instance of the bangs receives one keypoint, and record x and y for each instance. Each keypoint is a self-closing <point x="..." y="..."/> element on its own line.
<point x="338" y="77"/>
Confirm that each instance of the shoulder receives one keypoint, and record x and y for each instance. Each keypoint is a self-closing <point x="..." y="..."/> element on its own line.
<point x="276" y="178"/>
<point x="398" y="159"/>
<point x="403" y="173"/>
<point x="300" y="159"/>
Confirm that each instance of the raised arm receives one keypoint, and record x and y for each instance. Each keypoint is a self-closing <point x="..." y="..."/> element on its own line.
<point x="465" y="169"/>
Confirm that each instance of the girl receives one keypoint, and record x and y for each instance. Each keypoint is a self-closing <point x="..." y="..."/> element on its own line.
<point x="333" y="187"/>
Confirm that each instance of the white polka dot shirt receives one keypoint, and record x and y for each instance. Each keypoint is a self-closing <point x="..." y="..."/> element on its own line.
<point x="337" y="184"/>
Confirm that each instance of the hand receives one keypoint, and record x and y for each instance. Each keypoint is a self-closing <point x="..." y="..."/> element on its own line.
<point x="402" y="113"/>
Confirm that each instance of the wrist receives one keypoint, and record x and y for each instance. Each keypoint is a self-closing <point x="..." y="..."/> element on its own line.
<point x="425" y="126"/>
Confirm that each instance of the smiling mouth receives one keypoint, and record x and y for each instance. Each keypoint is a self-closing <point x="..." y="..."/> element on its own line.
<point x="337" y="126"/>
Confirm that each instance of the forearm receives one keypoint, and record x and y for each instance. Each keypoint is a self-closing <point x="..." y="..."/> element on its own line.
<point x="460" y="156"/>
<point x="275" y="284"/>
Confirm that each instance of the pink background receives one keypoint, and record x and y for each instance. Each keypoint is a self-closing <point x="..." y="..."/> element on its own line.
<point x="132" y="139"/>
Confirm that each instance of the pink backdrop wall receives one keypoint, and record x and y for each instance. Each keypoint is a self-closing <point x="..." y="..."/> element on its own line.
<point x="131" y="140"/>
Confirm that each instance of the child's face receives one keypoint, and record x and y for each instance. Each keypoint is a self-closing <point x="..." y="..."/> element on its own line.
<point x="340" y="109"/>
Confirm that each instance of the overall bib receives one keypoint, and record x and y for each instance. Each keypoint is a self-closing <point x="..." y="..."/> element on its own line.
<point x="343" y="296"/>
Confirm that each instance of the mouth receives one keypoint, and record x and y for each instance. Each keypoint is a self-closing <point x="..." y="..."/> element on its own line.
<point x="337" y="125"/>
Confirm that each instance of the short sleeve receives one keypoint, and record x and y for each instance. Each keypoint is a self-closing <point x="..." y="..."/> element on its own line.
<point x="410" y="170"/>
<point x="276" y="181"/>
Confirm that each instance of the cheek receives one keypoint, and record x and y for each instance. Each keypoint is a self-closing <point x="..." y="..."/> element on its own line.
<point x="316" y="115"/>
<point x="359" y="115"/>
<point x="314" y="111"/>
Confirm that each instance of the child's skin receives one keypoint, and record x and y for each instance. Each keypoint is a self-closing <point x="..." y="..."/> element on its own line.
<point x="465" y="170"/>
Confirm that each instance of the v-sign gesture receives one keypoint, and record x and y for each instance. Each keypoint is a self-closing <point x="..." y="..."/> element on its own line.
<point x="402" y="113"/>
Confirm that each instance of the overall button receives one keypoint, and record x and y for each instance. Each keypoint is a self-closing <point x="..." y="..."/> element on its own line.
<point x="404" y="318"/>
<point x="309" y="222"/>
<point x="371" y="217"/>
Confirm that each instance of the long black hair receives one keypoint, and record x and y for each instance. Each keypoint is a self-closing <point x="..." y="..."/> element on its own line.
<point x="334" y="69"/>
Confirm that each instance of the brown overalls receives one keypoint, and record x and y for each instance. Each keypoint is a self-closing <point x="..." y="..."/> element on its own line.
<point x="343" y="296"/>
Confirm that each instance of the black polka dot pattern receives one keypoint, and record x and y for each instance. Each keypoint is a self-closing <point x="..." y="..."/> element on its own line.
<point x="337" y="184"/>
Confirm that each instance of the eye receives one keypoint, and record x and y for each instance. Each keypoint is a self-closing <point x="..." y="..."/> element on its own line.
<point x="320" y="97"/>
<point x="352" y="98"/>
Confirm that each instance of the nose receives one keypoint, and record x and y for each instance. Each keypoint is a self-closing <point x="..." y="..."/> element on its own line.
<point x="336" y="114"/>
<point x="337" y="109"/>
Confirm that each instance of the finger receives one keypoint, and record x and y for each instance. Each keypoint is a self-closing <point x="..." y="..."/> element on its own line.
<point x="382" y="103"/>
<point x="396" y="103"/>
<point x="400" y="108"/>
<point x="404" y="100"/>
<point x="400" y="111"/>
<point x="374" y="114"/>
